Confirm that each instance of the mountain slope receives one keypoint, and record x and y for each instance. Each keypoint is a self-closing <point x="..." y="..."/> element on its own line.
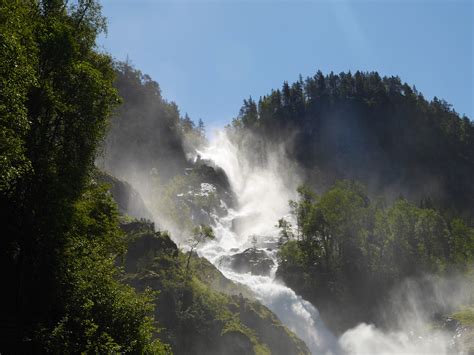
<point x="378" y="131"/>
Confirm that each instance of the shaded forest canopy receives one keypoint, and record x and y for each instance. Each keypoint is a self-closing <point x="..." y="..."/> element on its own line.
<point x="379" y="131"/>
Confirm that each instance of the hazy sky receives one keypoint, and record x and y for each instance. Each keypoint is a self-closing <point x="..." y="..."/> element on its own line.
<point x="210" y="55"/>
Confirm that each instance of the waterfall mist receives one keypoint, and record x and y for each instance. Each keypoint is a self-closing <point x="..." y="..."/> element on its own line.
<point x="263" y="180"/>
<point x="408" y="319"/>
<point x="263" y="188"/>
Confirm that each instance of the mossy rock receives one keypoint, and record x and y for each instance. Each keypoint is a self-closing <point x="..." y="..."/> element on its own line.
<point x="198" y="309"/>
<point x="464" y="331"/>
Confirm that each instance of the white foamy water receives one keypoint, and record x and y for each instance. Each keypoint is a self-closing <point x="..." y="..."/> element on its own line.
<point x="263" y="193"/>
<point x="296" y="313"/>
<point x="263" y="196"/>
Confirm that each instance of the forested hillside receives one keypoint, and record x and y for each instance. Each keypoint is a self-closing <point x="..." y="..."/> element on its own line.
<point x="146" y="131"/>
<point x="388" y="191"/>
<point x="387" y="196"/>
<point x="150" y="143"/>
<point x="350" y="252"/>
<point x="201" y="311"/>
<point x="80" y="275"/>
<point x="379" y="131"/>
<point x="60" y="233"/>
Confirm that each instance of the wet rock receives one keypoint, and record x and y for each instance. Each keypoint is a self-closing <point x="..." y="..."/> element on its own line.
<point x="450" y="324"/>
<point x="235" y="343"/>
<point x="223" y="322"/>
<point x="128" y="199"/>
<point x="207" y="171"/>
<point x="462" y="332"/>
<point x="268" y="328"/>
<point x="255" y="261"/>
<point x="462" y="336"/>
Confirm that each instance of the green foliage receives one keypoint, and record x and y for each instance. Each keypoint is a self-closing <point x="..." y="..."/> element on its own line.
<point x="208" y="274"/>
<point x="17" y="61"/>
<point x="291" y="254"/>
<point x="194" y="136"/>
<point x="196" y="318"/>
<point x="101" y="315"/>
<point x="345" y="245"/>
<point x="201" y="234"/>
<point x="376" y="130"/>
<point x="168" y="204"/>
<point x="61" y="234"/>
<point x="462" y="242"/>
<point x="465" y="316"/>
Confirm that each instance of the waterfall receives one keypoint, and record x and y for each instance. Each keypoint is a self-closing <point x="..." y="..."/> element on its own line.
<point x="263" y="192"/>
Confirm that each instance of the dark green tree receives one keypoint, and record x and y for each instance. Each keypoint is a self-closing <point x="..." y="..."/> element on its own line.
<point x="56" y="95"/>
<point x="376" y="130"/>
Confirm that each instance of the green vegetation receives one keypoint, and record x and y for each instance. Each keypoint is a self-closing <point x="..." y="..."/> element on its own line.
<point x="465" y="316"/>
<point x="349" y="248"/>
<point x="161" y="137"/>
<point x="68" y="259"/>
<point x="196" y="318"/>
<point x="60" y="235"/>
<point x="201" y="234"/>
<point x="101" y="315"/>
<point x="348" y="251"/>
<point x="80" y="278"/>
<point x="378" y="131"/>
<point x="157" y="155"/>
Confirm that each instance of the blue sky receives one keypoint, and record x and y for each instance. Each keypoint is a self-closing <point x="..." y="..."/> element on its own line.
<point x="208" y="56"/>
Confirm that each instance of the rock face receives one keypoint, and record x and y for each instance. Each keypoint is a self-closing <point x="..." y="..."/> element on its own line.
<point x="269" y="329"/>
<point x="461" y="326"/>
<point x="194" y="317"/>
<point x="255" y="261"/>
<point x="208" y="173"/>
<point x="205" y="193"/>
<point x="128" y="199"/>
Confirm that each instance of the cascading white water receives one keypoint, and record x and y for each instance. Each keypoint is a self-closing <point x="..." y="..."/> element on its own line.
<point x="263" y="193"/>
<point x="263" y="196"/>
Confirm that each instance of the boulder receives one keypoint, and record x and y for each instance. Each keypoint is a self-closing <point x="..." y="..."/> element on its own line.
<point x="255" y="261"/>
<point x="128" y="199"/>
